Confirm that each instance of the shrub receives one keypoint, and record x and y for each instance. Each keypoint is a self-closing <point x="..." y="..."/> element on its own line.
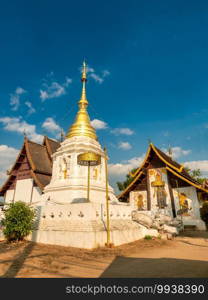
<point x="204" y="213"/>
<point x="18" y="221"/>
<point x="148" y="237"/>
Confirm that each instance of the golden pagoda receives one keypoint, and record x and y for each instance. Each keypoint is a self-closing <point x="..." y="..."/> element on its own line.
<point x="82" y="125"/>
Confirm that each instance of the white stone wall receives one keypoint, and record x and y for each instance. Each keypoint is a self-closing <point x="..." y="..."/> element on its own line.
<point x="84" y="225"/>
<point x="23" y="190"/>
<point x="36" y="194"/>
<point x="9" y="196"/>
<point x="82" y="211"/>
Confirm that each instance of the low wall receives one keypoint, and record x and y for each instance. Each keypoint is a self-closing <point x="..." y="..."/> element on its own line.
<point x="83" y="225"/>
<point x="91" y="234"/>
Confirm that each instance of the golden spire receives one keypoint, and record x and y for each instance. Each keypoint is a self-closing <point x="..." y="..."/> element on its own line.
<point x="82" y="126"/>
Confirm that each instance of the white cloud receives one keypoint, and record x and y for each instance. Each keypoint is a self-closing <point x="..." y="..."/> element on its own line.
<point x="21" y="126"/>
<point x="98" y="124"/>
<point x="89" y="70"/>
<point x="124" y="131"/>
<point x="124" y="146"/>
<point x="31" y="109"/>
<point x="7" y="158"/>
<point x="198" y="164"/>
<point x="67" y="82"/>
<point x="123" y="168"/>
<point x="20" y="91"/>
<point x="177" y="152"/>
<point x="15" y="98"/>
<point x="53" y="89"/>
<point x="98" y="78"/>
<point x="51" y="126"/>
<point x="106" y="73"/>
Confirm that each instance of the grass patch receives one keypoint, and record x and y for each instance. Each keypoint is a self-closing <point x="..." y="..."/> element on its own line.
<point x="148" y="237"/>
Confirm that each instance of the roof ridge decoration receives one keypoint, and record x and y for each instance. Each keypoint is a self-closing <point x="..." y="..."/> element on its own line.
<point x="82" y="125"/>
<point x="152" y="146"/>
<point x="165" y="161"/>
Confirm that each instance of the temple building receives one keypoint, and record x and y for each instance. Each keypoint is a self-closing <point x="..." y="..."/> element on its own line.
<point x="67" y="183"/>
<point x="30" y="173"/>
<point x="162" y="184"/>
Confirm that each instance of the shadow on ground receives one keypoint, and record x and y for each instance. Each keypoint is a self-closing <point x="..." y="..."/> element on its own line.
<point x="129" y="267"/>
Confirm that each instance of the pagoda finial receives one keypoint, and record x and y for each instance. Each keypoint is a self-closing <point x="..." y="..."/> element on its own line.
<point x="83" y="101"/>
<point x="82" y="125"/>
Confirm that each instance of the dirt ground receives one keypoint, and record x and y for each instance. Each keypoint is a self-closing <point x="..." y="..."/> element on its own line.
<point x="185" y="256"/>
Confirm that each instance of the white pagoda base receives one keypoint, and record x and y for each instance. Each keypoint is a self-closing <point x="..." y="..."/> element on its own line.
<point x="69" y="179"/>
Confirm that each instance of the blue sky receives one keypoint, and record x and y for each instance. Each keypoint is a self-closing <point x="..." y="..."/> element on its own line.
<point x="148" y="75"/>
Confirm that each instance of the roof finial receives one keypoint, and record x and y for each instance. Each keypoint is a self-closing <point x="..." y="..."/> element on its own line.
<point x="24" y="133"/>
<point x="62" y="135"/>
<point x="170" y="152"/>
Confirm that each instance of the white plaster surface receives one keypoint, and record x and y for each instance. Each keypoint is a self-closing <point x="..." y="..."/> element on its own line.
<point x="84" y="225"/>
<point x="69" y="179"/>
<point x="23" y="190"/>
<point x="9" y="196"/>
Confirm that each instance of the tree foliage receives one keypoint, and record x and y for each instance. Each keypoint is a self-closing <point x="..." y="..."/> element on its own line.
<point x="122" y="185"/>
<point x="18" y="221"/>
<point x="196" y="174"/>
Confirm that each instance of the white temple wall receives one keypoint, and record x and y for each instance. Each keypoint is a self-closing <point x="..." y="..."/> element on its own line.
<point x="84" y="225"/>
<point x="9" y="196"/>
<point x="36" y="194"/>
<point x="23" y="190"/>
<point x="82" y="211"/>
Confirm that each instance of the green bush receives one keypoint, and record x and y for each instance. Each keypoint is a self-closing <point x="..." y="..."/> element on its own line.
<point x="204" y="213"/>
<point x="148" y="237"/>
<point x="18" y="221"/>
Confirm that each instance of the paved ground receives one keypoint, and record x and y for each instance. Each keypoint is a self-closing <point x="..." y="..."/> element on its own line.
<point x="185" y="256"/>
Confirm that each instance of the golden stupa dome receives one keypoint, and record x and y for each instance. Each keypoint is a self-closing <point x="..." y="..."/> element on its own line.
<point x="82" y="125"/>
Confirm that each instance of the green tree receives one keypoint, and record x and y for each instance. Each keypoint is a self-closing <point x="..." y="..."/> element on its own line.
<point x="196" y="174"/>
<point x="122" y="185"/>
<point x="18" y="221"/>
